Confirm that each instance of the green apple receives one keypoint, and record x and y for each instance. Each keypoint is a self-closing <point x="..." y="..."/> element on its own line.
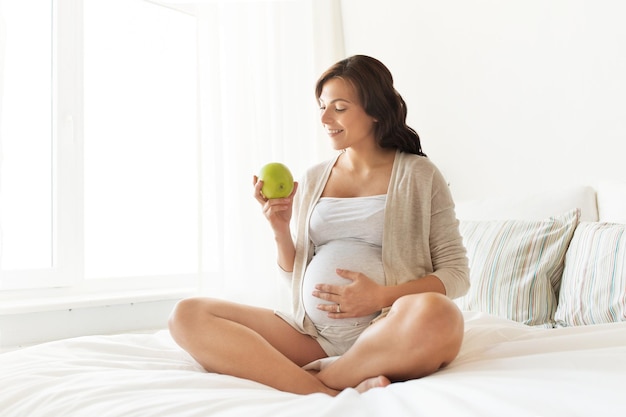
<point x="277" y="180"/>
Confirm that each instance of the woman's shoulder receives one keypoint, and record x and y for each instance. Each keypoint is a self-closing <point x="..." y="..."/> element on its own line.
<point x="419" y="169"/>
<point x="413" y="162"/>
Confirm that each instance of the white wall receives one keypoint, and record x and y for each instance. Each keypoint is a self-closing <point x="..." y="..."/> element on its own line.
<point x="506" y="94"/>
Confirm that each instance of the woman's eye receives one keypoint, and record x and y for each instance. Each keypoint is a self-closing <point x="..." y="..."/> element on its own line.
<point x="338" y="110"/>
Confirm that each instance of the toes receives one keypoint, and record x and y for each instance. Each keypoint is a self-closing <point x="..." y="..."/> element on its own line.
<point x="368" y="384"/>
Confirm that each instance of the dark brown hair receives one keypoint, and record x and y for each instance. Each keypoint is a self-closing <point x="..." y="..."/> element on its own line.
<point x="373" y="83"/>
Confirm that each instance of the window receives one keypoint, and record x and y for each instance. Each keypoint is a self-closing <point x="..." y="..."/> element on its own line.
<point x="141" y="173"/>
<point x="26" y="132"/>
<point x="99" y="170"/>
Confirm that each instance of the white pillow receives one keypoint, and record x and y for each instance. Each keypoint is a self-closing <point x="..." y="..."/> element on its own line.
<point x="515" y="266"/>
<point x="537" y="206"/>
<point x="612" y="201"/>
<point x="593" y="289"/>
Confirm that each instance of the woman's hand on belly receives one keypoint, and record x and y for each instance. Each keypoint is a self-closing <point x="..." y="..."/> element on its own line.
<point x="359" y="298"/>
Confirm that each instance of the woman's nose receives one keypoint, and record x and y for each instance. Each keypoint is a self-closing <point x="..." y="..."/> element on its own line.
<point x="325" y="116"/>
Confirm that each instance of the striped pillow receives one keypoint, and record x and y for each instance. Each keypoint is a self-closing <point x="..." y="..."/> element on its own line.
<point x="593" y="289"/>
<point x="515" y="266"/>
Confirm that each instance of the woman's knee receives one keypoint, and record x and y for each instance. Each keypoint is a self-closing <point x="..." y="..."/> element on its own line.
<point x="185" y="315"/>
<point x="433" y="322"/>
<point x="430" y="306"/>
<point x="429" y="303"/>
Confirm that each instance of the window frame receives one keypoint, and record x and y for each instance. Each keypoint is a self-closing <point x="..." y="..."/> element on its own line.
<point x="66" y="277"/>
<point x="66" y="140"/>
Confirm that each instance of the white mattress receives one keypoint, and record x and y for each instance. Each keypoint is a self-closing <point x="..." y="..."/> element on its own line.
<point x="503" y="369"/>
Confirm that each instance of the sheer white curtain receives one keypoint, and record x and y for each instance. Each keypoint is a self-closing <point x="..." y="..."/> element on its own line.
<point x="2" y="60"/>
<point x="2" y="48"/>
<point x="258" y="63"/>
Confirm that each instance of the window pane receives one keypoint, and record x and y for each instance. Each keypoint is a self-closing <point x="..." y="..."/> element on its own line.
<point x="26" y="136"/>
<point x="141" y="173"/>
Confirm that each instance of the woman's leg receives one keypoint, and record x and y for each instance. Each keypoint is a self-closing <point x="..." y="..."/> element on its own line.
<point x="246" y="342"/>
<point x="421" y="334"/>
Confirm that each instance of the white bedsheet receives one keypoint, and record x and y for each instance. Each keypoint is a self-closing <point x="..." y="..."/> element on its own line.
<point x="503" y="369"/>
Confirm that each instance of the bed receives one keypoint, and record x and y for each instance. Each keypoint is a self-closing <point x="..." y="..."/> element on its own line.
<point x="545" y="335"/>
<point x="504" y="369"/>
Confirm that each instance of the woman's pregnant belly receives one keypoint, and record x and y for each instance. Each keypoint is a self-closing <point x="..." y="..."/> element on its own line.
<point x="351" y="255"/>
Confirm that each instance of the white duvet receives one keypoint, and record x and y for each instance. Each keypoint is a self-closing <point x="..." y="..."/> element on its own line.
<point x="504" y="369"/>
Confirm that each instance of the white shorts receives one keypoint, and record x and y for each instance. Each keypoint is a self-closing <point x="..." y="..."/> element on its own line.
<point x="334" y="340"/>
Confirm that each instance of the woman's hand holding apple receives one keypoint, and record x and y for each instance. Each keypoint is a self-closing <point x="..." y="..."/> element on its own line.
<point x="276" y="210"/>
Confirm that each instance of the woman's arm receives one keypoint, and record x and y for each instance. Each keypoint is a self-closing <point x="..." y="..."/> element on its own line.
<point x="286" y="250"/>
<point x="430" y="283"/>
<point x="278" y="212"/>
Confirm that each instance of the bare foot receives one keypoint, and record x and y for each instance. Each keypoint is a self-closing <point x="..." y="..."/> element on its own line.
<point x="377" y="382"/>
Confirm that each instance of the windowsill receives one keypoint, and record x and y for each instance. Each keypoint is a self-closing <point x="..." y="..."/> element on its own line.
<point x="98" y="293"/>
<point x="39" y="316"/>
<point x="44" y="303"/>
<point x="108" y="306"/>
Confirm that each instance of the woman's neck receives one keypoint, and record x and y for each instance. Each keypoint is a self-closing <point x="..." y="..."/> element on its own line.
<point x="362" y="160"/>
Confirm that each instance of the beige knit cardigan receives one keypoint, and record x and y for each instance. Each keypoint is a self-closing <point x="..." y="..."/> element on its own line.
<point x="420" y="237"/>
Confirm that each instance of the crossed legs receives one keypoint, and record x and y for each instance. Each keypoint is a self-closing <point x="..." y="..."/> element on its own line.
<point x="422" y="333"/>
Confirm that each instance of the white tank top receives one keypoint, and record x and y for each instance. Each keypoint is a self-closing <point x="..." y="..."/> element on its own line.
<point x="347" y="234"/>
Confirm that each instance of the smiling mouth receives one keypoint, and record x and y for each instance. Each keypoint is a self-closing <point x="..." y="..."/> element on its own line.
<point x="333" y="131"/>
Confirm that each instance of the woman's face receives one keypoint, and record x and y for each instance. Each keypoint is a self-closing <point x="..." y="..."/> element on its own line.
<point x="343" y="117"/>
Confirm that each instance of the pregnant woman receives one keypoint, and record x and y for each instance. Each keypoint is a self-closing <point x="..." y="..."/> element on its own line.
<point x="370" y="245"/>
